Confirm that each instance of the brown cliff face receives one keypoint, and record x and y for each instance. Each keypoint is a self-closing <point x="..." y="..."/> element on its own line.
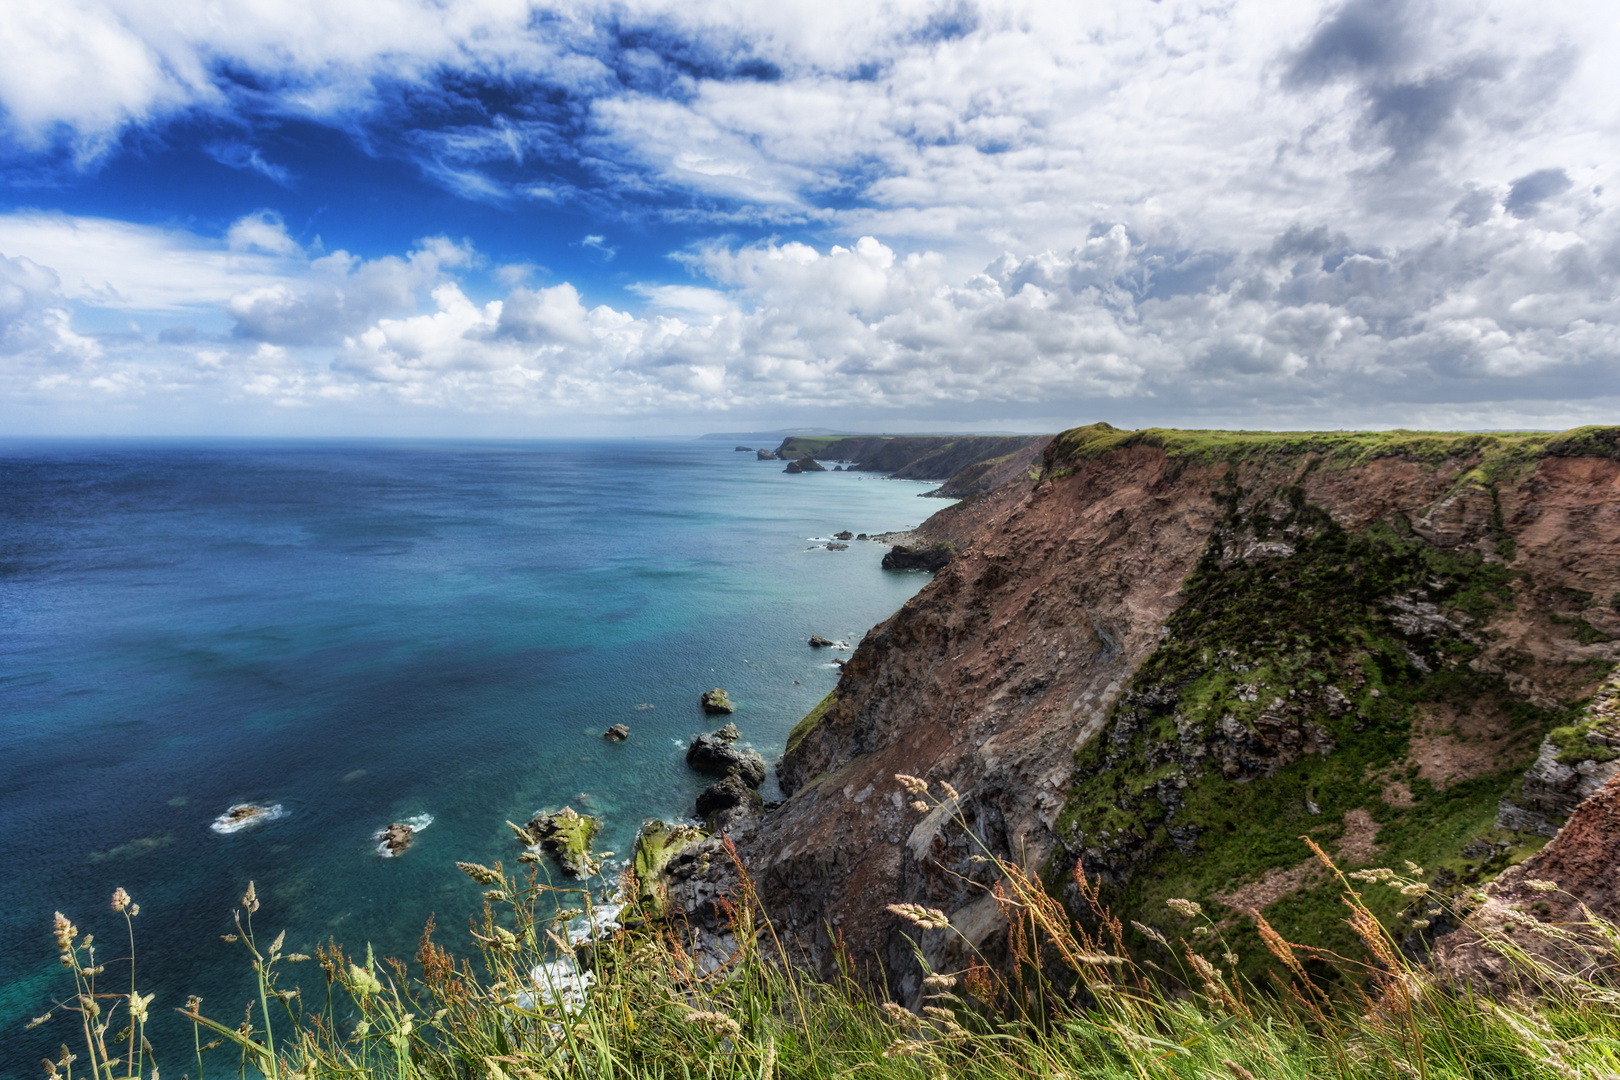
<point x="1013" y="658"/>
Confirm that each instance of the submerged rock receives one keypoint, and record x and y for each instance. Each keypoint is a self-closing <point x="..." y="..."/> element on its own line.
<point x="566" y="836"/>
<point x="718" y="753"/>
<point x="616" y="733"/>
<point x="716" y="701"/>
<point x="244" y="816"/>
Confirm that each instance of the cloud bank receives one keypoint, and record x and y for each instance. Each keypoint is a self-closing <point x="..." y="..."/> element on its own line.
<point x="1370" y="211"/>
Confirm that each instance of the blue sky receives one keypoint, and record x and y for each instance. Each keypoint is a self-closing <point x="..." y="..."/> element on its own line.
<point x="513" y="218"/>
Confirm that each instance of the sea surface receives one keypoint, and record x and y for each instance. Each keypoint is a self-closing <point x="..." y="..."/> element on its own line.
<point x="367" y="632"/>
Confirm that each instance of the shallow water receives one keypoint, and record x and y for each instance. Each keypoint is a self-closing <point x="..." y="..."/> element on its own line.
<point x="369" y="632"/>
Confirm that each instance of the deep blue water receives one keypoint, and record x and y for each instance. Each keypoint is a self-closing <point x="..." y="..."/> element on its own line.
<point x="366" y="632"/>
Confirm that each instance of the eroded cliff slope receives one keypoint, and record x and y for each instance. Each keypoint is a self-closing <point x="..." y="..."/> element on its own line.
<point x="1180" y="651"/>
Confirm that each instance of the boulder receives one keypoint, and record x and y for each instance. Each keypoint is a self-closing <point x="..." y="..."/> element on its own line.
<point x="819" y="642"/>
<point x="718" y="753"/>
<point x="765" y="455"/>
<point x="396" y="838"/>
<point x="566" y="836"/>
<point x="804" y="465"/>
<point x="716" y="701"/>
<point x="729" y="804"/>
<point x="933" y="557"/>
<point x="616" y="733"/>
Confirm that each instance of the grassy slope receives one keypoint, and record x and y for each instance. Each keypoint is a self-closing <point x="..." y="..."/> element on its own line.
<point x="1292" y="627"/>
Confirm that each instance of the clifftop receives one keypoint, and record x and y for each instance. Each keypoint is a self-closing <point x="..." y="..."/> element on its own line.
<point x="1178" y="651"/>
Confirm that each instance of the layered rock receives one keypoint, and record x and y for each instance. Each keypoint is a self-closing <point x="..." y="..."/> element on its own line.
<point x="1308" y="600"/>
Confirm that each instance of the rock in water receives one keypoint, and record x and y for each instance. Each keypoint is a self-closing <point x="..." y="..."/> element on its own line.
<point x="804" y="465"/>
<point x="845" y="535"/>
<point x="396" y="838"/>
<point x="819" y="642"/>
<point x="765" y="455"/>
<point x="934" y="557"/>
<point x="566" y="836"/>
<point x="729" y="804"/>
<point x="836" y="546"/>
<point x="745" y="449"/>
<point x="716" y="701"/>
<point x="718" y="753"/>
<point x="616" y="733"/>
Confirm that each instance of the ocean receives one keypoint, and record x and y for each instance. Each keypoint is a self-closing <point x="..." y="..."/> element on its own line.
<point x="365" y="632"/>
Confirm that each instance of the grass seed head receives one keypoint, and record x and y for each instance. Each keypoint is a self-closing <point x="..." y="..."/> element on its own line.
<point x="912" y="784"/>
<point x="1541" y="886"/>
<point x="1187" y="909"/>
<point x="120" y="899"/>
<point x="926" y="917"/>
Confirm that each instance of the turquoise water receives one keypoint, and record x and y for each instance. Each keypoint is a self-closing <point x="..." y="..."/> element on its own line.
<point x="367" y="632"/>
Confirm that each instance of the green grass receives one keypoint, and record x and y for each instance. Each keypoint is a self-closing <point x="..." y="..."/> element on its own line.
<point x="811" y="719"/>
<point x="1073" y="1003"/>
<point x="1494" y="452"/>
<point x="1281" y="636"/>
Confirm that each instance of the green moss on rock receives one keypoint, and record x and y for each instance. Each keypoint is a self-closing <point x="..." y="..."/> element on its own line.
<point x="811" y="719"/>
<point x="716" y="701"/>
<point x="656" y="844"/>
<point x="566" y="836"/>
<point x="1281" y="704"/>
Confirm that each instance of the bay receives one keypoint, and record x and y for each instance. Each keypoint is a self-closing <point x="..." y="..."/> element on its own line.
<point x="366" y="632"/>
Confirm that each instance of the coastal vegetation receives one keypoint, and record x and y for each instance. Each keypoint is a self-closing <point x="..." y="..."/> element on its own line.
<point x="541" y="997"/>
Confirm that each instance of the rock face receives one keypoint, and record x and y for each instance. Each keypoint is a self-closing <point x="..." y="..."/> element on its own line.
<point x="804" y="465"/>
<point x="716" y="701"/>
<point x="729" y="805"/>
<point x="616" y="733"/>
<point x="718" y="753"/>
<point x="932" y="558"/>
<point x="765" y="455"/>
<point x="1572" y="764"/>
<point x="1118" y="656"/>
<point x="566" y="836"/>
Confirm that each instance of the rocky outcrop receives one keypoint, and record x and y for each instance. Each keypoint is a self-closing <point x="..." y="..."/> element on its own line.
<point x="844" y="535"/>
<point x="931" y="558"/>
<point x="819" y="642"/>
<point x="804" y="465"/>
<point x="396" y="838"/>
<point x="657" y="843"/>
<point x="1572" y="764"/>
<point x="566" y="836"/>
<point x="992" y="459"/>
<point x="765" y="455"/>
<point x="717" y="752"/>
<point x="716" y="701"/>
<point x="1305" y="600"/>
<point x="729" y="805"/>
<point x="745" y="449"/>
<point x="617" y="733"/>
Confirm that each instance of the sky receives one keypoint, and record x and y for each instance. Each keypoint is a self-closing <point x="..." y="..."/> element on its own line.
<point x="527" y="219"/>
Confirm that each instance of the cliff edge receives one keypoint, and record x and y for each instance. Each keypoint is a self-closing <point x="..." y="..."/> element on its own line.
<point x="1177" y="652"/>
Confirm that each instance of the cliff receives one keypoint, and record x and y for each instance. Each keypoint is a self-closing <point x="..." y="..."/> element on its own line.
<point x="969" y="464"/>
<point x="1179" y="651"/>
